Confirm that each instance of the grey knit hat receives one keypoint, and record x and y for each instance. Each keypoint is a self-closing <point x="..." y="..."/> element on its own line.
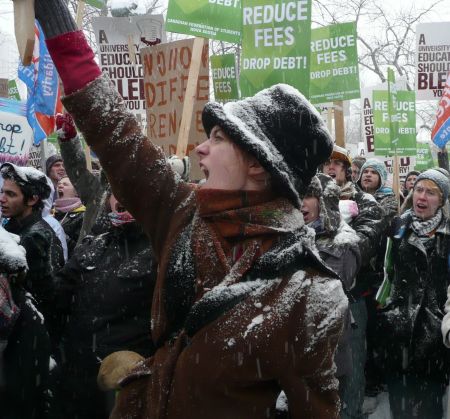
<point x="439" y="178"/>
<point x="281" y="129"/>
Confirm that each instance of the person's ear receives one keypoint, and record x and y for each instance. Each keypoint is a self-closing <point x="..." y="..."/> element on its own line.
<point x="255" y="168"/>
<point x="32" y="201"/>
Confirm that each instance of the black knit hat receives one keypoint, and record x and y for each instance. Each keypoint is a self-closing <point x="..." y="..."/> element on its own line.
<point x="51" y="161"/>
<point x="29" y="179"/>
<point x="281" y="129"/>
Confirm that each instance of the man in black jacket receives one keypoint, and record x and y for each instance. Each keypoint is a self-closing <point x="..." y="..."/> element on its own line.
<point x="23" y="192"/>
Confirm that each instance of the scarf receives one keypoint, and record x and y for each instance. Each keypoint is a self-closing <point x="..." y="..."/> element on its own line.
<point x="69" y="204"/>
<point x="120" y="218"/>
<point x="426" y="228"/>
<point x="233" y="229"/>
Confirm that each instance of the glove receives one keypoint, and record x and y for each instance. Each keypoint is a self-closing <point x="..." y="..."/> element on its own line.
<point x="180" y="166"/>
<point x="348" y="209"/>
<point x="65" y="127"/>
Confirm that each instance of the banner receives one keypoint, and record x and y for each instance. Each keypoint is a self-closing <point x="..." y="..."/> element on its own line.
<point x="41" y="79"/>
<point x="113" y="34"/>
<point x="367" y="147"/>
<point x="16" y="135"/>
<point x="275" y="44"/>
<point x="215" y="19"/>
<point x="432" y="59"/>
<point x="440" y="133"/>
<point x="98" y="4"/>
<point x="166" y="71"/>
<point x="334" y="63"/>
<point x="405" y="115"/>
<point x="424" y="158"/>
<point x="13" y="91"/>
<point x="223" y="71"/>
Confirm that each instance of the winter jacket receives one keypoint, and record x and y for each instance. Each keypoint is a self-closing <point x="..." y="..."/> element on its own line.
<point x="24" y="341"/>
<point x="71" y="222"/>
<point x="44" y="258"/>
<point x="409" y="328"/>
<point x="238" y="345"/>
<point x="88" y="186"/>
<point x="105" y="291"/>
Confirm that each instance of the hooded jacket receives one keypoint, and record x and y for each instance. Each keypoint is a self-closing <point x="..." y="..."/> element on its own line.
<point x="241" y="344"/>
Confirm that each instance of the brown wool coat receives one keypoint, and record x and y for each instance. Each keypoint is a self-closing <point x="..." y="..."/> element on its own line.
<point x="281" y="337"/>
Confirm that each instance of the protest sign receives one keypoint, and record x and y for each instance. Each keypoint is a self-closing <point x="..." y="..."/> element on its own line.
<point x="16" y="135"/>
<point x="334" y="63"/>
<point x="166" y="71"/>
<point x="432" y="59"/>
<point x="98" y="4"/>
<point x="440" y="133"/>
<point x="367" y="147"/>
<point x="223" y="71"/>
<point x="424" y="158"/>
<point x="112" y="36"/>
<point x="405" y="116"/>
<point x="41" y="79"/>
<point x="215" y="19"/>
<point x="13" y="91"/>
<point x="275" y="44"/>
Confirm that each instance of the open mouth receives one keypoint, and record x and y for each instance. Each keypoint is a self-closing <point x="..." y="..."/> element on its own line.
<point x="205" y="171"/>
<point x="60" y="194"/>
<point x="332" y="175"/>
<point x="120" y="208"/>
<point x="421" y="206"/>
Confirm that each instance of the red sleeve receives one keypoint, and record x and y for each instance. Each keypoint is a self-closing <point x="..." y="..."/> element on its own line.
<point x="74" y="60"/>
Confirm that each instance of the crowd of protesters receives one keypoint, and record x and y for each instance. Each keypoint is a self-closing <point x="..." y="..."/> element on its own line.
<point x="258" y="293"/>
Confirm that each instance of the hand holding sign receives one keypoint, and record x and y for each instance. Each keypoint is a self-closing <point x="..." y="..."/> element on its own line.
<point x="24" y="29"/>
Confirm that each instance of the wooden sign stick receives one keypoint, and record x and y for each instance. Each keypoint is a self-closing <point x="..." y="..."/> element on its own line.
<point x="24" y="29"/>
<point x="339" y="126"/>
<point x="189" y="99"/>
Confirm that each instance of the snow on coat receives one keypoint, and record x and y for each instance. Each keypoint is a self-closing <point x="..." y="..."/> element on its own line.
<point x="280" y="334"/>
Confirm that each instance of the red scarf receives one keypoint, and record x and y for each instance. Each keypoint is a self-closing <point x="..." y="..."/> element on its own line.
<point x="233" y="229"/>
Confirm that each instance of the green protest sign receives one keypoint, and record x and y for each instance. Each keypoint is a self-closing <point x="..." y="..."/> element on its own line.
<point x="13" y="91"/>
<point x="424" y="158"/>
<point x="275" y="44"/>
<point x="404" y="118"/>
<point x="99" y="4"/>
<point x="215" y="19"/>
<point x="223" y="69"/>
<point x="334" y="63"/>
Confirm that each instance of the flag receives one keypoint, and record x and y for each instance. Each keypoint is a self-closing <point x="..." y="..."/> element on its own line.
<point x="41" y="79"/>
<point x="440" y="134"/>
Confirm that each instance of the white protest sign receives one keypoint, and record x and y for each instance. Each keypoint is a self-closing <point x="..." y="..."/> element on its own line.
<point x="432" y="59"/>
<point x="16" y="135"/>
<point x="114" y="37"/>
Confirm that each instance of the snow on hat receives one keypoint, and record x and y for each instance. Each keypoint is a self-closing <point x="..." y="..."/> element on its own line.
<point x="377" y="165"/>
<point x="326" y="190"/>
<point x="27" y="177"/>
<point x="342" y="154"/>
<point x="51" y="161"/>
<point x="439" y="178"/>
<point x="281" y="129"/>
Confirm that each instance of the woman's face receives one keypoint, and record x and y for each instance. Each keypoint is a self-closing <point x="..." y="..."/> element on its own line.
<point x="426" y="199"/>
<point x="65" y="189"/>
<point x="410" y="182"/>
<point x="222" y="162"/>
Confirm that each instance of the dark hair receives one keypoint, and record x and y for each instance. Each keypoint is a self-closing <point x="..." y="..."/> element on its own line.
<point x="29" y="189"/>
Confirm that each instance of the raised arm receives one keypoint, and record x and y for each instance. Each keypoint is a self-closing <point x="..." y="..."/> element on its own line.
<point x="137" y="170"/>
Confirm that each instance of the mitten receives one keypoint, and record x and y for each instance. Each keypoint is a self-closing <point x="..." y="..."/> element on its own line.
<point x="348" y="209"/>
<point x="65" y="127"/>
